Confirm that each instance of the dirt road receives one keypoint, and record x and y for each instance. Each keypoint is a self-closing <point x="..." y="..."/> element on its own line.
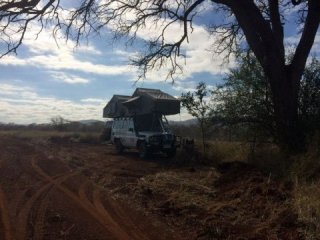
<point x="58" y="188"/>
<point x="42" y="197"/>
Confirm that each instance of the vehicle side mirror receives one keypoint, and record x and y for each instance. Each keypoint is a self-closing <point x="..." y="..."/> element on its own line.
<point x="130" y="129"/>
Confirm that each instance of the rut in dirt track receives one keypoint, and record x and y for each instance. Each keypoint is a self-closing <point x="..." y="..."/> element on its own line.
<point x="96" y="210"/>
<point x="37" y="191"/>
<point x="4" y="216"/>
<point x="35" y="206"/>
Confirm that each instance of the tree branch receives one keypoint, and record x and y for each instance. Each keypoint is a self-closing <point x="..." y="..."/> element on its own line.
<point x="256" y="29"/>
<point x="307" y="38"/>
<point x="277" y="26"/>
<point x="15" y="17"/>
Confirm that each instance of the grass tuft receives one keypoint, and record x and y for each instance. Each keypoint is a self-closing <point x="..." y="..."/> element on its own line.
<point x="221" y="151"/>
<point x="307" y="203"/>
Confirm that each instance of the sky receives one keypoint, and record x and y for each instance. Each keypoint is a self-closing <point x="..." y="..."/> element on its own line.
<point x="51" y="77"/>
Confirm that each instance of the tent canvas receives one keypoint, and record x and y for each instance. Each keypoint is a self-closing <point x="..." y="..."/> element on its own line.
<point x="143" y="101"/>
<point x="146" y="100"/>
<point x="115" y="108"/>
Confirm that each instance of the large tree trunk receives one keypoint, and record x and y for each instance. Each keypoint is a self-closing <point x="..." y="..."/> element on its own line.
<point x="285" y="90"/>
<point x="265" y="38"/>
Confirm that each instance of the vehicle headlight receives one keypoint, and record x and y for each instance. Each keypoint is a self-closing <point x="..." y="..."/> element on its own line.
<point x="168" y="137"/>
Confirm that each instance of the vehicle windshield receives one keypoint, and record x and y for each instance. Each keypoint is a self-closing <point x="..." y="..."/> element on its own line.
<point x="148" y="122"/>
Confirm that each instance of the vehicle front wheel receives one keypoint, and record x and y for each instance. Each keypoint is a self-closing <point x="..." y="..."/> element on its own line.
<point x="119" y="146"/>
<point x="171" y="153"/>
<point x="143" y="150"/>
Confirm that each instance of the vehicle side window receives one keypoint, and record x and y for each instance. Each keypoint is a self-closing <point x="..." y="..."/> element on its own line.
<point x="114" y="125"/>
<point x="130" y="125"/>
<point x="121" y="124"/>
<point x="117" y="124"/>
<point x="124" y="126"/>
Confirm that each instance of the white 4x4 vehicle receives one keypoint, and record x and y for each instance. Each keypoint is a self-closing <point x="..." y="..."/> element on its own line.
<point x="148" y="133"/>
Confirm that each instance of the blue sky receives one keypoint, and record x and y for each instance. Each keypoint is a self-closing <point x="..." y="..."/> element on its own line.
<point x="47" y="79"/>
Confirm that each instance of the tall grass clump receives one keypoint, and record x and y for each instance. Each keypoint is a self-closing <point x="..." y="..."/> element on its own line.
<point x="222" y="151"/>
<point x="307" y="204"/>
<point x="305" y="172"/>
<point x="269" y="159"/>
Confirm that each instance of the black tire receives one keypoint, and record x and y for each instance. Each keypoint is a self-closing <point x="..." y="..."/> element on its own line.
<point x="143" y="150"/>
<point x="106" y="134"/>
<point x="171" y="153"/>
<point x="119" y="147"/>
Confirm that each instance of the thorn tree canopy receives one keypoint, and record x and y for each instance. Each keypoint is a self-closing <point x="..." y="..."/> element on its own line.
<point x="260" y="22"/>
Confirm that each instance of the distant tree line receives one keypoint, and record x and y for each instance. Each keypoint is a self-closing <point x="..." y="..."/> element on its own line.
<point x="57" y="123"/>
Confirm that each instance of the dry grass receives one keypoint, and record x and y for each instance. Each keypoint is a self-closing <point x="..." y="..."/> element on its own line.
<point x="307" y="203"/>
<point x="217" y="152"/>
<point x="38" y="135"/>
<point x="266" y="157"/>
<point x="32" y="133"/>
<point x="305" y="171"/>
<point x="269" y="159"/>
<point x="220" y="151"/>
<point x="306" y="166"/>
<point x="184" y="188"/>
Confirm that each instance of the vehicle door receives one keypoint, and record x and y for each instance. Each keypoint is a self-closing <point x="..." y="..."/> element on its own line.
<point x="115" y="130"/>
<point x="131" y="134"/>
<point x="124" y="132"/>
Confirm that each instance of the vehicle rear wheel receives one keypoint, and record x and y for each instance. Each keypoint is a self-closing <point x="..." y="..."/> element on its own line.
<point x="143" y="150"/>
<point x="119" y="146"/>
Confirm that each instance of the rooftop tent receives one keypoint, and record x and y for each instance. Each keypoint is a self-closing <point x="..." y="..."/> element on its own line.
<point x="146" y="101"/>
<point x="115" y="108"/>
<point x="143" y="101"/>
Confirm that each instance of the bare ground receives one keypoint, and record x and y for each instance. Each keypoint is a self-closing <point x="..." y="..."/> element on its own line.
<point x="59" y="189"/>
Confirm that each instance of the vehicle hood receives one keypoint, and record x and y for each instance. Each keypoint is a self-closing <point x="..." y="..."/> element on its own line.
<point x="151" y="133"/>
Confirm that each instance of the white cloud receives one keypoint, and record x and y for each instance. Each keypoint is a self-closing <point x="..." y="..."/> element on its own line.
<point x="57" y="54"/>
<point x="13" y="60"/>
<point x="94" y="100"/>
<point x="69" y="78"/>
<point x="198" y="59"/>
<point x="66" y="61"/>
<point x="182" y="116"/>
<point x="294" y="40"/>
<point x="185" y="86"/>
<point x="8" y="88"/>
<point x="24" y="105"/>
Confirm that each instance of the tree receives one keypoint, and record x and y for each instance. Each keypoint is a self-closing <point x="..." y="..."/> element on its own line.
<point x="244" y="97"/>
<point x="260" y="22"/>
<point x="59" y="123"/>
<point x="198" y="107"/>
<point x="309" y="98"/>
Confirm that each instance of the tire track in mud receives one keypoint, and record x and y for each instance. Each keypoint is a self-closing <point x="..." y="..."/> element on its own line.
<point x="5" y="219"/>
<point x="99" y="207"/>
<point x="106" y="221"/>
<point x="23" y="217"/>
<point x="38" y="230"/>
<point x="134" y="231"/>
<point x="20" y="202"/>
<point x="82" y="193"/>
